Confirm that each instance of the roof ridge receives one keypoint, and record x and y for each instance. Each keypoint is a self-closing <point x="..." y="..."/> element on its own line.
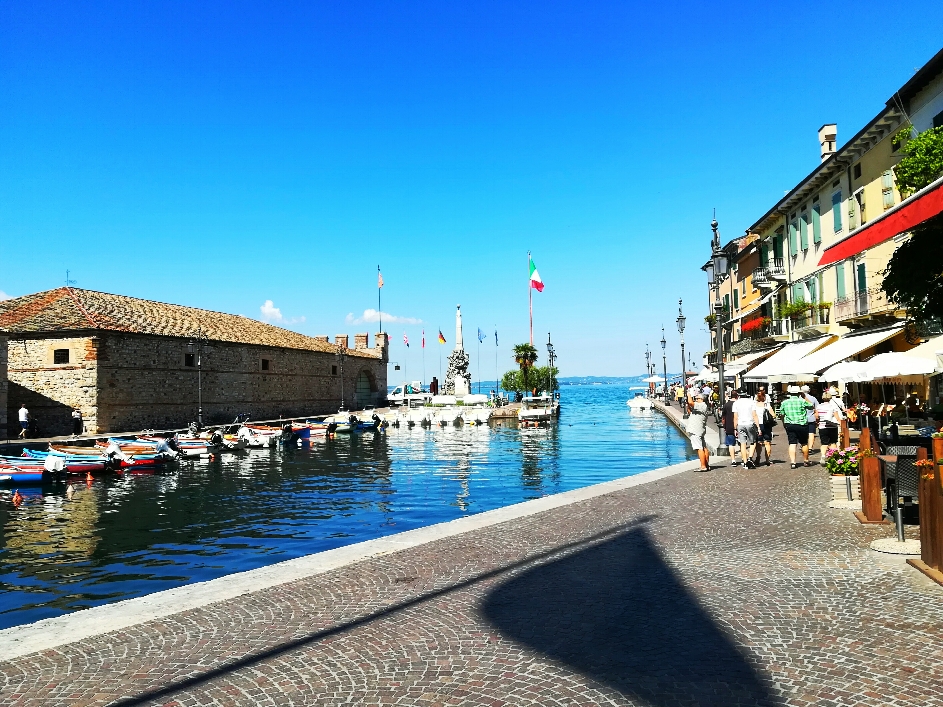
<point x="81" y="308"/>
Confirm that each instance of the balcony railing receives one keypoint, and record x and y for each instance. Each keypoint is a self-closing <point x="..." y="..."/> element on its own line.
<point x="870" y="301"/>
<point x="811" y="318"/>
<point x="777" y="268"/>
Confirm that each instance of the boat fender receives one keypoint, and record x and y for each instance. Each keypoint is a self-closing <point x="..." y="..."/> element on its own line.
<point x="88" y="476"/>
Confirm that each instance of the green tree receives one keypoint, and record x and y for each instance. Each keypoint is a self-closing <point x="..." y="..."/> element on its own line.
<point x="914" y="274"/>
<point x="514" y="382"/>
<point x="545" y="379"/>
<point x="922" y="163"/>
<point x="525" y="356"/>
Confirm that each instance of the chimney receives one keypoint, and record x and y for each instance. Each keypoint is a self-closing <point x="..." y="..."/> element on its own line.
<point x="827" y="136"/>
<point x="342" y="341"/>
<point x="325" y="339"/>
<point x="361" y="340"/>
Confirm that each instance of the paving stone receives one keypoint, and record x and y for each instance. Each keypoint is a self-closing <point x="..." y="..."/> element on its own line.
<point x="736" y="587"/>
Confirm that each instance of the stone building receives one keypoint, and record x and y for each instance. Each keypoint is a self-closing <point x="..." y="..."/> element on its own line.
<point x="131" y="364"/>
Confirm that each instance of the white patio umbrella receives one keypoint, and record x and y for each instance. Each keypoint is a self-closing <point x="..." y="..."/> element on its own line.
<point x="845" y="372"/>
<point x="653" y="379"/>
<point x="897" y="365"/>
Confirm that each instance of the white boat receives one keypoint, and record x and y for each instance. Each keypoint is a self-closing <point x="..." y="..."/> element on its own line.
<point x="640" y="402"/>
<point x="475" y="410"/>
<point x="536" y="409"/>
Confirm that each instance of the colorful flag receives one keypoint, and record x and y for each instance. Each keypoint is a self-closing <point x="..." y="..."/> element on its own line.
<point x="441" y="338"/>
<point x="405" y="340"/>
<point x="379" y="277"/>
<point x="481" y="335"/>
<point x="495" y="337"/>
<point x="535" y="280"/>
<point x="423" y="338"/>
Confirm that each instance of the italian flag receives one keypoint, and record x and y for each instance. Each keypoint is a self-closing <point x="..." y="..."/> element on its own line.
<point x="535" y="280"/>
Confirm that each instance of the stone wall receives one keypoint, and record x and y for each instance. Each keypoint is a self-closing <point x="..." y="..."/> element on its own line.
<point x="51" y="390"/>
<point x="127" y="382"/>
<point x="4" y="387"/>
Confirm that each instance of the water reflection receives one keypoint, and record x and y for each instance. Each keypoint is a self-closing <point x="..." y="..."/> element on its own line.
<point x="131" y="535"/>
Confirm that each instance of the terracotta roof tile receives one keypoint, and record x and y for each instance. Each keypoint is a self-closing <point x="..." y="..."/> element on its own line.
<point x="70" y="309"/>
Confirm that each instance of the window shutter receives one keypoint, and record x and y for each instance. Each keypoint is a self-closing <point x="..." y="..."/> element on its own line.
<point x="804" y="231"/>
<point x="836" y="211"/>
<point x="840" y="281"/>
<point x="810" y="286"/>
<point x="736" y="299"/>
<point x="793" y="241"/>
<point x="727" y="302"/>
<point x="816" y="224"/>
<point x="778" y="246"/>
<point x="862" y="284"/>
<point x="764" y="255"/>
<point x="887" y="188"/>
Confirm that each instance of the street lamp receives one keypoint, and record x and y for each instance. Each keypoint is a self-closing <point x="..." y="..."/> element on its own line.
<point x="680" y="322"/>
<point x="717" y="272"/>
<point x="340" y="360"/>
<point x="664" y="364"/>
<point x="551" y="357"/>
<point x="196" y="346"/>
<point x="648" y="366"/>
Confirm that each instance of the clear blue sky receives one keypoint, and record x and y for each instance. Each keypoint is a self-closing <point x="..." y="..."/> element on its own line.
<point x="222" y="155"/>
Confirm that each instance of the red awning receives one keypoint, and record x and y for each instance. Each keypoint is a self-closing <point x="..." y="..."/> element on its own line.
<point x="908" y="214"/>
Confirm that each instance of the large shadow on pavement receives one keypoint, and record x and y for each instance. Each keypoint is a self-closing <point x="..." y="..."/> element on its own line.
<point x="619" y="615"/>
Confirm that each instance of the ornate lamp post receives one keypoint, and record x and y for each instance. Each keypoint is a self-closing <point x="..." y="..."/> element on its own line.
<point x="680" y="322"/>
<point x="648" y="366"/>
<point x="551" y="357"/>
<point x="717" y="273"/>
<point x="197" y="345"/>
<point x="664" y="364"/>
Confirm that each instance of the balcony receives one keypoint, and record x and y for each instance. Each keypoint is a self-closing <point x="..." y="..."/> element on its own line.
<point x="811" y="323"/>
<point x="771" y="275"/>
<point x="866" y="307"/>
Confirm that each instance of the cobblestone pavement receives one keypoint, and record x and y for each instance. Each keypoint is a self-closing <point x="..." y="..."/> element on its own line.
<point x="735" y="587"/>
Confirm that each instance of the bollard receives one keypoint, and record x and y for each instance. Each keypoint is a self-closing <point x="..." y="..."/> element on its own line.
<point x="848" y="488"/>
<point x="899" y="519"/>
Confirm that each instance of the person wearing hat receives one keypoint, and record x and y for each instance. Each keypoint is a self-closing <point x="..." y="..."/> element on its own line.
<point x="696" y="426"/>
<point x="810" y="416"/>
<point x="795" y="413"/>
<point x="745" y="423"/>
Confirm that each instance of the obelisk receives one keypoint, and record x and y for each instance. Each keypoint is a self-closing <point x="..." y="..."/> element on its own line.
<point x="457" y="377"/>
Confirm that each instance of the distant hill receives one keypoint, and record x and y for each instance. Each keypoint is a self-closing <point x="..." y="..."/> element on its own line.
<point x="606" y="380"/>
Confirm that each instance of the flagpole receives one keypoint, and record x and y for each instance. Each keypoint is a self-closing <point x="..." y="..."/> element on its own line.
<point x="379" y="308"/>
<point x="423" y="356"/>
<point x="530" y="301"/>
<point x="497" y="383"/>
<point x="479" y="362"/>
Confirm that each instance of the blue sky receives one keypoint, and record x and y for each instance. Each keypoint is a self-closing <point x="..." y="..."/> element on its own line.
<point x="226" y="155"/>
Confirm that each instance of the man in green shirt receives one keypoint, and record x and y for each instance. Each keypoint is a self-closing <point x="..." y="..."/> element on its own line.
<point x="794" y="411"/>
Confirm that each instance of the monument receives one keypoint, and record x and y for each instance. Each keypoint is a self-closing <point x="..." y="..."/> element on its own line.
<point x="457" y="377"/>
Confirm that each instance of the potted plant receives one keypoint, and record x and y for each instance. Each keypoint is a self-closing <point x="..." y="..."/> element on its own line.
<point x="824" y="308"/>
<point x="842" y="464"/>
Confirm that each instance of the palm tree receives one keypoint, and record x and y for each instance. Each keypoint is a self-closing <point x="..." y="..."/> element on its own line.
<point x="525" y="355"/>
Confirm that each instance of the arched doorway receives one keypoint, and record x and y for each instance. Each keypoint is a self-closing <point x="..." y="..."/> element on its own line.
<point x="363" y="391"/>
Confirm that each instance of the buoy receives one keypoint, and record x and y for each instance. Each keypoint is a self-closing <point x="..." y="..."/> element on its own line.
<point x="88" y="476"/>
<point x="17" y="498"/>
<point x="69" y="491"/>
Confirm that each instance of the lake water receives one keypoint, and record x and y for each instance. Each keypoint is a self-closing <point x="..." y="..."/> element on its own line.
<point x="126" y="536"/>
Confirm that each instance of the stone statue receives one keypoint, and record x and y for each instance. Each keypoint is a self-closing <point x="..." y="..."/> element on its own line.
<point x="457" y="377"/>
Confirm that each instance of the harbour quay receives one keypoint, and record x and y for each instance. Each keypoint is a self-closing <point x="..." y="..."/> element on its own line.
<point x="132" y="364"/>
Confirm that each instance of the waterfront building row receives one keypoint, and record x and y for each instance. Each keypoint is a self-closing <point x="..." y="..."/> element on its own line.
<point x="811" y="267"/>
<point x="132" y="364"/>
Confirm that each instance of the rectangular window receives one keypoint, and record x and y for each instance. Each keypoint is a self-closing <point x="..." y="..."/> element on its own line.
<point x="333" y="370"/>
<point x="840" y="281"/>
<point x="816" y="223"/>
<point x="810" y="290"/>
<point x="736" y="299"/>
<point x="859" y="201"/>
<point x="836" y="211"/>
<point x="887" y="189"/>
<point x="60" y="356"/>
<point x="804" y="231"/>
<point x="793" y="240"/>
<point x="778" y="245"/>
<point x="764" y="255"/>
<point x="265" y="364"/>
<point x="862" y="284"/>
<point x="856" y="171"/>
<point x="189" y="360"/>
<point x="938" y="120"/>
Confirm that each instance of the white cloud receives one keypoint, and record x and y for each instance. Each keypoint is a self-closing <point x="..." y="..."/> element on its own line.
<point x="372" y="315"/>
<point x="273" y="315"/>
<point x="4" y="295"/>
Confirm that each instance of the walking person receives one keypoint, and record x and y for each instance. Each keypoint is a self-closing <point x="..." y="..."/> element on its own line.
<point x="679" y="396"/>
<point x="810" y="416"/>
<point x="77" y="426"/>
<point x="696" y="427"/>
<point x="24" y="421"/>
<point x="765" y="417"/>
<point x="794" y="411"/>
<point x="730" y="429"/>
<point x="745" y="422"/>
<point x="829" y="419"/>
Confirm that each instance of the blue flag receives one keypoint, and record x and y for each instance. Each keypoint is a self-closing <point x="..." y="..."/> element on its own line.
<point x="495" y="337"/>
<point x="481" y="335"/>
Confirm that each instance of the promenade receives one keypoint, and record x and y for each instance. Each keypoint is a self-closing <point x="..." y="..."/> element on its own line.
<point x="735" y="587"/>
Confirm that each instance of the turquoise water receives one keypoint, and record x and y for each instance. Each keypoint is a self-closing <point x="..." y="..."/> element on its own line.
<point x="133" y="535"/>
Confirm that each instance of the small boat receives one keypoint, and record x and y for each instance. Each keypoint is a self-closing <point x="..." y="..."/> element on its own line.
<point x="475" y="410"/>
<point x="536" y="409"/>
<point x="24" y="475"/>
<point x="640" y="402"/>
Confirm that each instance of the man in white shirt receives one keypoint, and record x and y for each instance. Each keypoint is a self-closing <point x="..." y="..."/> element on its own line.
<point x="745" y="422"/>
<point x="24" y="420"/>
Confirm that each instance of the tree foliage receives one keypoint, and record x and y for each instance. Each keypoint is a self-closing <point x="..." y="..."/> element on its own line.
<point x="525" y="356"/>
<point x="914" y="274"/>
<point x="538" y="379"/>
<point x="922" y="163"/>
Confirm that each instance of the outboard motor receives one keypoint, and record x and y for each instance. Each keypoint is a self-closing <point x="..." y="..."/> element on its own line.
<point x="216" y="439"/>
<point x="376" y="421"/>
<point x="194" y="429"/>
<point x="331" y="429"/>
